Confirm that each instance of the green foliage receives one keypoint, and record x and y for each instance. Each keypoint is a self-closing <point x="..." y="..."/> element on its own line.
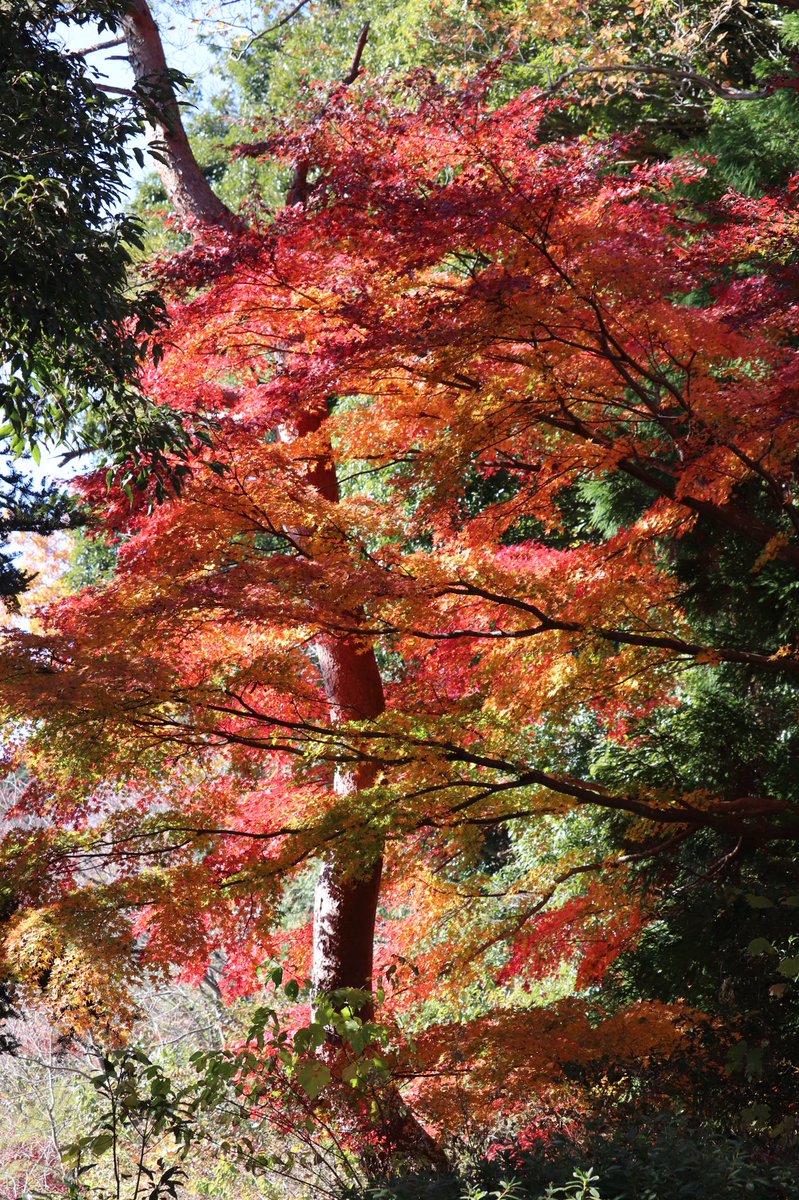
<point x="137" y="1096"/>
<point x="581" y="1187"/>
<point x="734" y="735"/>
<point x="152" y="1117"/>
<point x="660" y="1159"/>
<point x="93" y="561"/>
<point x="74" y="331"/>
<point x="663" y="1158"/>
<point x="71" y="332"/>
<point x="754" y="144"/>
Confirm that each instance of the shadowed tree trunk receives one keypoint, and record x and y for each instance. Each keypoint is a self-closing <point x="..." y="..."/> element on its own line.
<point x="345" y="901"/>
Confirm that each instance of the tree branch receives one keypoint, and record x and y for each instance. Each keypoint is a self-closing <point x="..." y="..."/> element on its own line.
<point x="119" y="41"/>
<point x="299" y="189"/>
<point x="355" y="67"/>
<point x="284" y="20"/>
<point x="187" y="188"/>
<point x="702" y="81"/>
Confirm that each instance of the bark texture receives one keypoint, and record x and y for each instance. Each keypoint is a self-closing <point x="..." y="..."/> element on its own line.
<point x="187" y="188"/>
<point x="345" y="901"/>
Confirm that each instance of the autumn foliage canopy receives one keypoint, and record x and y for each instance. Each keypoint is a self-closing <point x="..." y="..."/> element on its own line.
<point x="489" y="403"/>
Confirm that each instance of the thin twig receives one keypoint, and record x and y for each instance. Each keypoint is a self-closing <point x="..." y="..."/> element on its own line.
<point x="284" y="20"/>
<point x="117" y="91"/>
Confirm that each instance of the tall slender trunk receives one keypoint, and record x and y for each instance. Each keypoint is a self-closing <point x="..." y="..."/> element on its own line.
<point x="345" y="902"/>
<point x="346" y="899"/>
<point x="347" y="894"/>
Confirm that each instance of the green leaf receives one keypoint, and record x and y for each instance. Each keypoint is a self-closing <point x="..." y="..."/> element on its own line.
<point x="760" y="945"/>
<point x="100" y="1144"/>
<point x="756" y="1115"/>
<point x="313" y="1077"/>
<point x="758" y="901"/>
<point x="352" y="1074"/>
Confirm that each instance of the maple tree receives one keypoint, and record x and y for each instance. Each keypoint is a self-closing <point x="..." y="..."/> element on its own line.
<point x="501" y="419"/>
<point x="716" y="77"/>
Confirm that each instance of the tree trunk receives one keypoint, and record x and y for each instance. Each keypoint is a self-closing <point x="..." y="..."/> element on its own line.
<point x="345" y="902"/>
<point x="346" y="898"/>
<point x="186" y="186"/>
